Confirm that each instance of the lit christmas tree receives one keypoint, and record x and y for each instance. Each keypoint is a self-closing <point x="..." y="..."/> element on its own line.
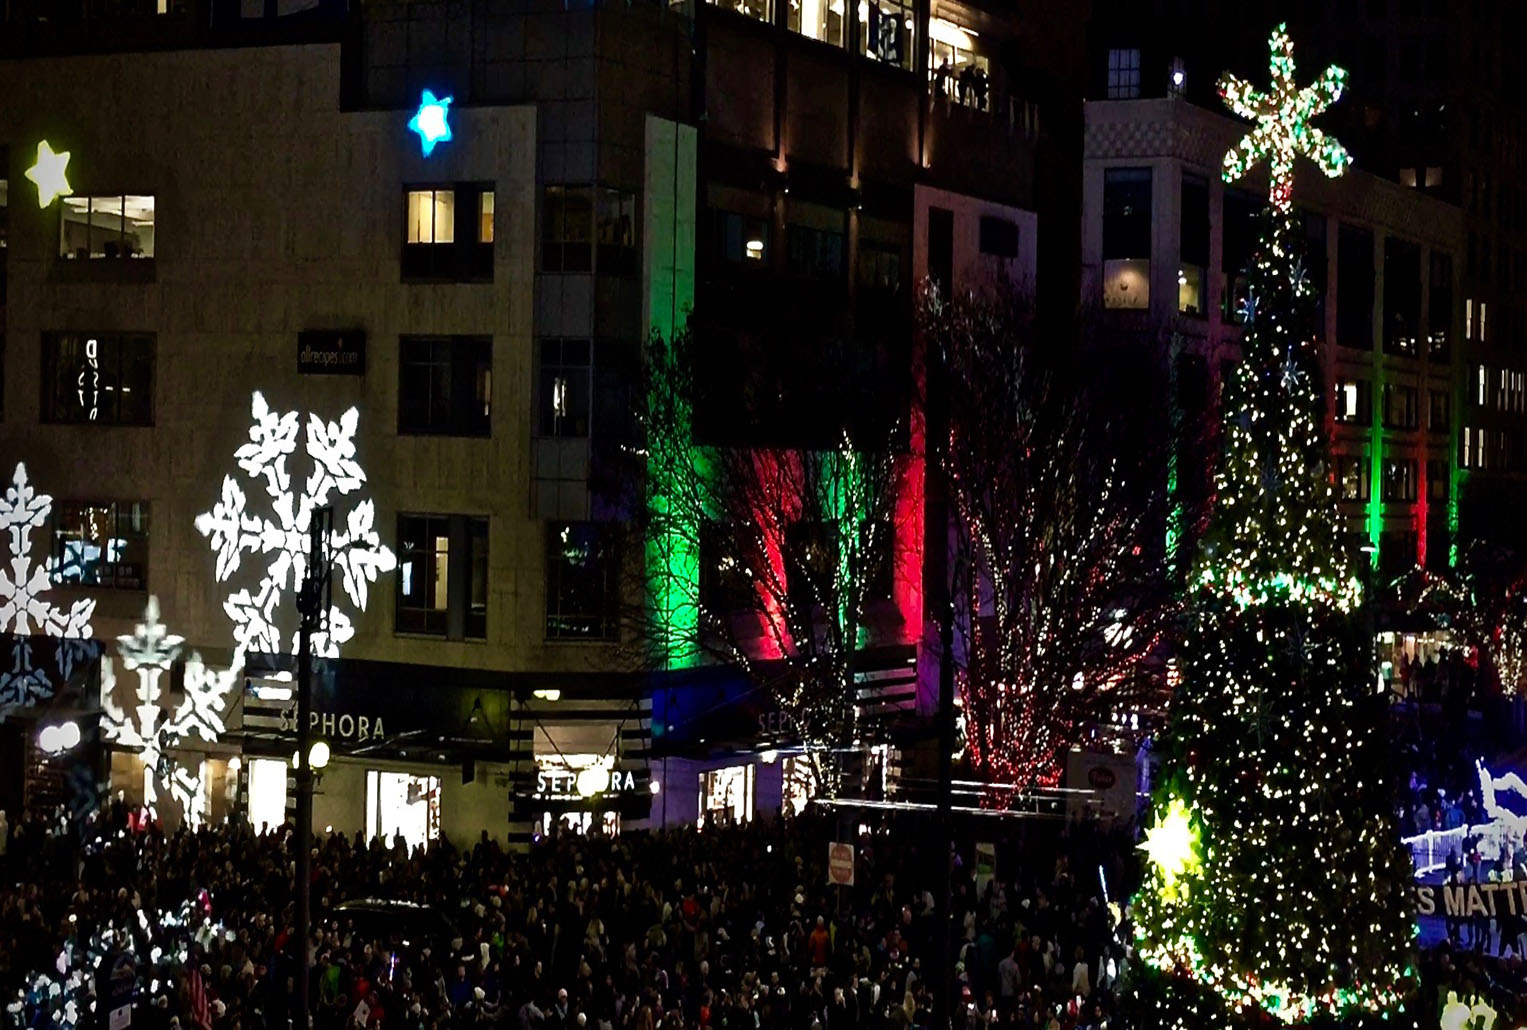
<point x="1275" y="888"/>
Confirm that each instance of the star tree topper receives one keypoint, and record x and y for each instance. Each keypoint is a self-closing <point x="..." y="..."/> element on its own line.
<point x="1172" y="844"/>
<point x="1283" y="130"/>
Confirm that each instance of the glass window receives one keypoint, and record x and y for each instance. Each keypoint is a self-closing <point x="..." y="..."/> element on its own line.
<point x="477" y="582"/>
<point x="107" y="227"/>
<point x="424" y="551"/>
<point x="402" y="805"/>
<point x="810" y="562"/>
<point x="815" y="253"/>
<point x="581" y="560"/>
<point x="955" y="69"/>
<point x="819" y="19"/>
<point x="564" y="385"/>
<point x="724" y="583"/>
<point x="106" y="379"/>
<point x="1402" y="407"/>
<point x="1315" y="266"/>
<point x="763" y="10"/>
<point x="1400" y="479"/>
<point x="999" y="237"/>
<point x="1438" y="479"/>
<point x="741" y="239"/>
<point x="1192" y="271"/>
<point x="887" y="30"/>
<point x="432" y="216"/>
<point x="1127" y="238"/>
<point x="1238" y="240"/>
<point x="101" y="545"/>
<point x="485" y="217"/>
<point x="1439" y="316"/>
<point x="1123" y="74"/>
<point x="617" y="233"/>
<point x="567" y="229"/>
<point x="879" y="266"/>
<point x="1354" y="287"/>
<point x="445" y="385"/>
<point x="1402" y="297"/>
<point x="1352" y="477"/>
<point x="1353" y="402"/>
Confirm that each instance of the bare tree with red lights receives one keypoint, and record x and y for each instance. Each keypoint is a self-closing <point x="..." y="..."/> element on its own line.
<point x="1057" y="504"/>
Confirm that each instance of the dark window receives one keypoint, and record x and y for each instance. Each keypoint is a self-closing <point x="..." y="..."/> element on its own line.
<point x="1400" y="479"/>
<point x="616" y="229"/>
<point x="4" y="218"/>
<point x="445" y="385"/>
<point x="941" y="247"/>
<point x="1354" y="288"/>
<point x="741" y="239"/>
<point x="564" y="388"/>
<point x="1437" y="479"/>
<point x="567" y="229"/>
<point x="999" y="237"/>
<point x="1315" y="266"/>
<point x="724" y="583"/>
<point x="1354" y="401"/>
<point x="1437" y="412"/>
<point x="442" y="577"/>
<point x="449" y="233"/>
<point x="581" y="581"/>
<point x="1123" y="74"/>
<point x="1127" y="213"/>
<point x="810" y="563"/>
<point x="879" y="267"/>
<point x="101" y="545"/>
<point x="815" y="253"/>
<point x="1239" y="241"/>
<point x="1402" y="297"/>
<point x="1195" y="221"/>
<point x="106" y="227"/>
<point x="1402" y="407"/>
<point x="104" y="379"/>
<point x="1439" y="315"/>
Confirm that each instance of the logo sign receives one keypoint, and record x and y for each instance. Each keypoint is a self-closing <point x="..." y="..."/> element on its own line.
<point x="840" y="864"/>
<point x="559" y="783"/>
<point x="1101" y="777"/>
<point x="344" y="727"/>
<point x="332" y="353"/>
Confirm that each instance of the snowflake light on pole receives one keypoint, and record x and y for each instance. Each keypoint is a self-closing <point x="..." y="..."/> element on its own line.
<point x="1283" y="129"/>
<point x="149" y="730"/>
<point x="280" y="539"/>
<point x="23" y="606"/>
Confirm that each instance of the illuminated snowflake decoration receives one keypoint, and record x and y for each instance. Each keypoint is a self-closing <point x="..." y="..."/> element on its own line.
<point x="151" y="731"/>
<point x="1283" y="130"/>
<point x="24" y="606"/>
<point x="279" y="540"/>
<point x="1249" y="309"/>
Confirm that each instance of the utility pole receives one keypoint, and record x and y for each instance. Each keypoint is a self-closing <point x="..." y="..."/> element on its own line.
<point x="313" y="597"/>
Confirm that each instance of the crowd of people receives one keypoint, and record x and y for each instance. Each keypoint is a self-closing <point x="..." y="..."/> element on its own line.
<point x="731" y="929"/>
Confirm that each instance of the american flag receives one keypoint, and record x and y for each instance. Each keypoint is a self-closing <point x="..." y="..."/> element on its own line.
<point x="201" y="1011"/>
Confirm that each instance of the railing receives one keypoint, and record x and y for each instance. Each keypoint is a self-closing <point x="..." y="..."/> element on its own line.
<point x="1429" y="850"/>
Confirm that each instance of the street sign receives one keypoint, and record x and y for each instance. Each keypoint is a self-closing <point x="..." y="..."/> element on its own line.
<point x="840" y="864"/>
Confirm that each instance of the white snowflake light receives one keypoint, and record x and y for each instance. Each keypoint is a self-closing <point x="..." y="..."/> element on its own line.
<point x="149" y="730"/>
<point x="280" y="539"/>
<point x="24" y="609"/>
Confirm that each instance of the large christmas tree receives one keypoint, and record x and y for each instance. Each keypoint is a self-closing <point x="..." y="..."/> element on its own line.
<point x="1276" y="887"/>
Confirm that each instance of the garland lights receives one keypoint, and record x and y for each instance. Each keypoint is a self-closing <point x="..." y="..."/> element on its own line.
<point x="1276" y="886"/>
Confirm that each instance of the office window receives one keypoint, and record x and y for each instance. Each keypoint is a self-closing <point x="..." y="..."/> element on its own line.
<point x="741" y="239"/>
<point x="101" y="545"/>
<point x="1316" y="266"/>
<point x="448" y="233"/>
<point x="879" y="266"/>
<point x="763" y="10"/>
<point x="582" y="565"/>
<point x="1481" y="385"/>
<point x="1354" y="287"/>
<point x="1238" y="240"/>
<point x="815" y="253"/>
<point x="1438" y="479"/>
<point x="1192" y="269"/>
<point x="1352" y="477"/>
<point x="1401" y="407"/>
<point x="887" y="29"/>
<point x="1123" y="74"/>
<point x="567" y="229"/>
<point x="819" y="19"/>
<point x="1468" y="318"/>
<point x="1402" y="297"/>
<point x="999" y="237"/>
<point x="564" y="388"/>
<point x="445" y="385"/>
<point x="106" y="227"/>
<point x="1437" y="411"/>
<point x="4" y="219"/>
<point x="1483" y="315"/>
<point x="442" y="578"/>
<point x="1400" y="479"/>
<point x="725" y="585"/>
<point x="810" y="562"/>
<point x="616" y="232"/>
<point x="105" y="379"/>
<point x="1127" y="238"/>
<point x="1439" y="315"/>
<point x="1354" y="401"/>
<point x="955" y="70"/>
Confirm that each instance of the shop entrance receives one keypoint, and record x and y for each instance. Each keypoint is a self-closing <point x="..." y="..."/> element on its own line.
<point x="402" y="804"/>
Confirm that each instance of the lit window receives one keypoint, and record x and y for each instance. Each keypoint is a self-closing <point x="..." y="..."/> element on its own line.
<point x="819" y="19"/>
<point x="1482" y="313"/>
<point x="886" y="31"/>
<point x="1408" y="177"/>
<point x="1353" y="399"/>
<point x="1468" y="318"/>
<point x="1127" y="238"/>
<point x="1190" y="290"/>
<point x="442" y="576"/>
<point x="107" y="227"/>
<point x="958" y="73"/>
<point x="431" y="216"/>
<point x="402" y="805"/>
<point x="763" y="10"/>
<point x="565" y="388"/>
<point x="485" y="217"/>
<point x="101" y="545"/>
<point x="1433" y="177"/>
<point x="267" y="794"/>
<point x="1123" y="74"/>
<point x="1481" y="384"/>
<point x="741" y="239"/>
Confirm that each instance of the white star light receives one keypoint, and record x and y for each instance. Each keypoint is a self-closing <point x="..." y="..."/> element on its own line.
<point x="24" y="608"/>
<point x="47" y="174"/>
<point x="280" y="540"/>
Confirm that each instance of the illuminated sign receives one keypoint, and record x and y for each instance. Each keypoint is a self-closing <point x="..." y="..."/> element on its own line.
<point x="48" y="175"/>
<point x="430" y="121"/>
<point x="559" y="783"/>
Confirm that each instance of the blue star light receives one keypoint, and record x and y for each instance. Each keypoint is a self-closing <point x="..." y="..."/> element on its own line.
<point x="430" y="121"/>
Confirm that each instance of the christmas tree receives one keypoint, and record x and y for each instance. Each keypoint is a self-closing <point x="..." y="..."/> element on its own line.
<point x="1276" y="888"/>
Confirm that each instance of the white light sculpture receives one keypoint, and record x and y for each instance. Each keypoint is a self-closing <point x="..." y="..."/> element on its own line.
<point x="148" y="729"/>
<point x="280" y="539"/>
<point x="24" y="608"/>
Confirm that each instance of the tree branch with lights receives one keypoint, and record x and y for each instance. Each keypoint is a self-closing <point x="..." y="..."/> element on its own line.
<point x="1057" y="499"/>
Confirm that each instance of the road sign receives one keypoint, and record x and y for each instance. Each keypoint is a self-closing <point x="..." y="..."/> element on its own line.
<point x="840" y="864"/>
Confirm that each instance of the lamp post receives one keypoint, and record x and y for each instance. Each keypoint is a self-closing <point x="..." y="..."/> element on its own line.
<point x="313" y="598"/>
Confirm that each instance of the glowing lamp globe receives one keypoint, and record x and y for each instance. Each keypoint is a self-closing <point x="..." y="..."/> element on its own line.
<point x="593" y="781"/>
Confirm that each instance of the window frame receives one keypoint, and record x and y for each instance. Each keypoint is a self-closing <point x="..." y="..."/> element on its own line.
<point x="141" y="511"/>
<point x="123" y="254"/>
<point x="558" y="348"/>
<point x="1122" y="80"/>
<point x="467" y="557"/>
<point x="467" y="256"/>
<point x="468" y="358"/>
<point x="51" y="384"/>
<point x="560" y="622"/>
